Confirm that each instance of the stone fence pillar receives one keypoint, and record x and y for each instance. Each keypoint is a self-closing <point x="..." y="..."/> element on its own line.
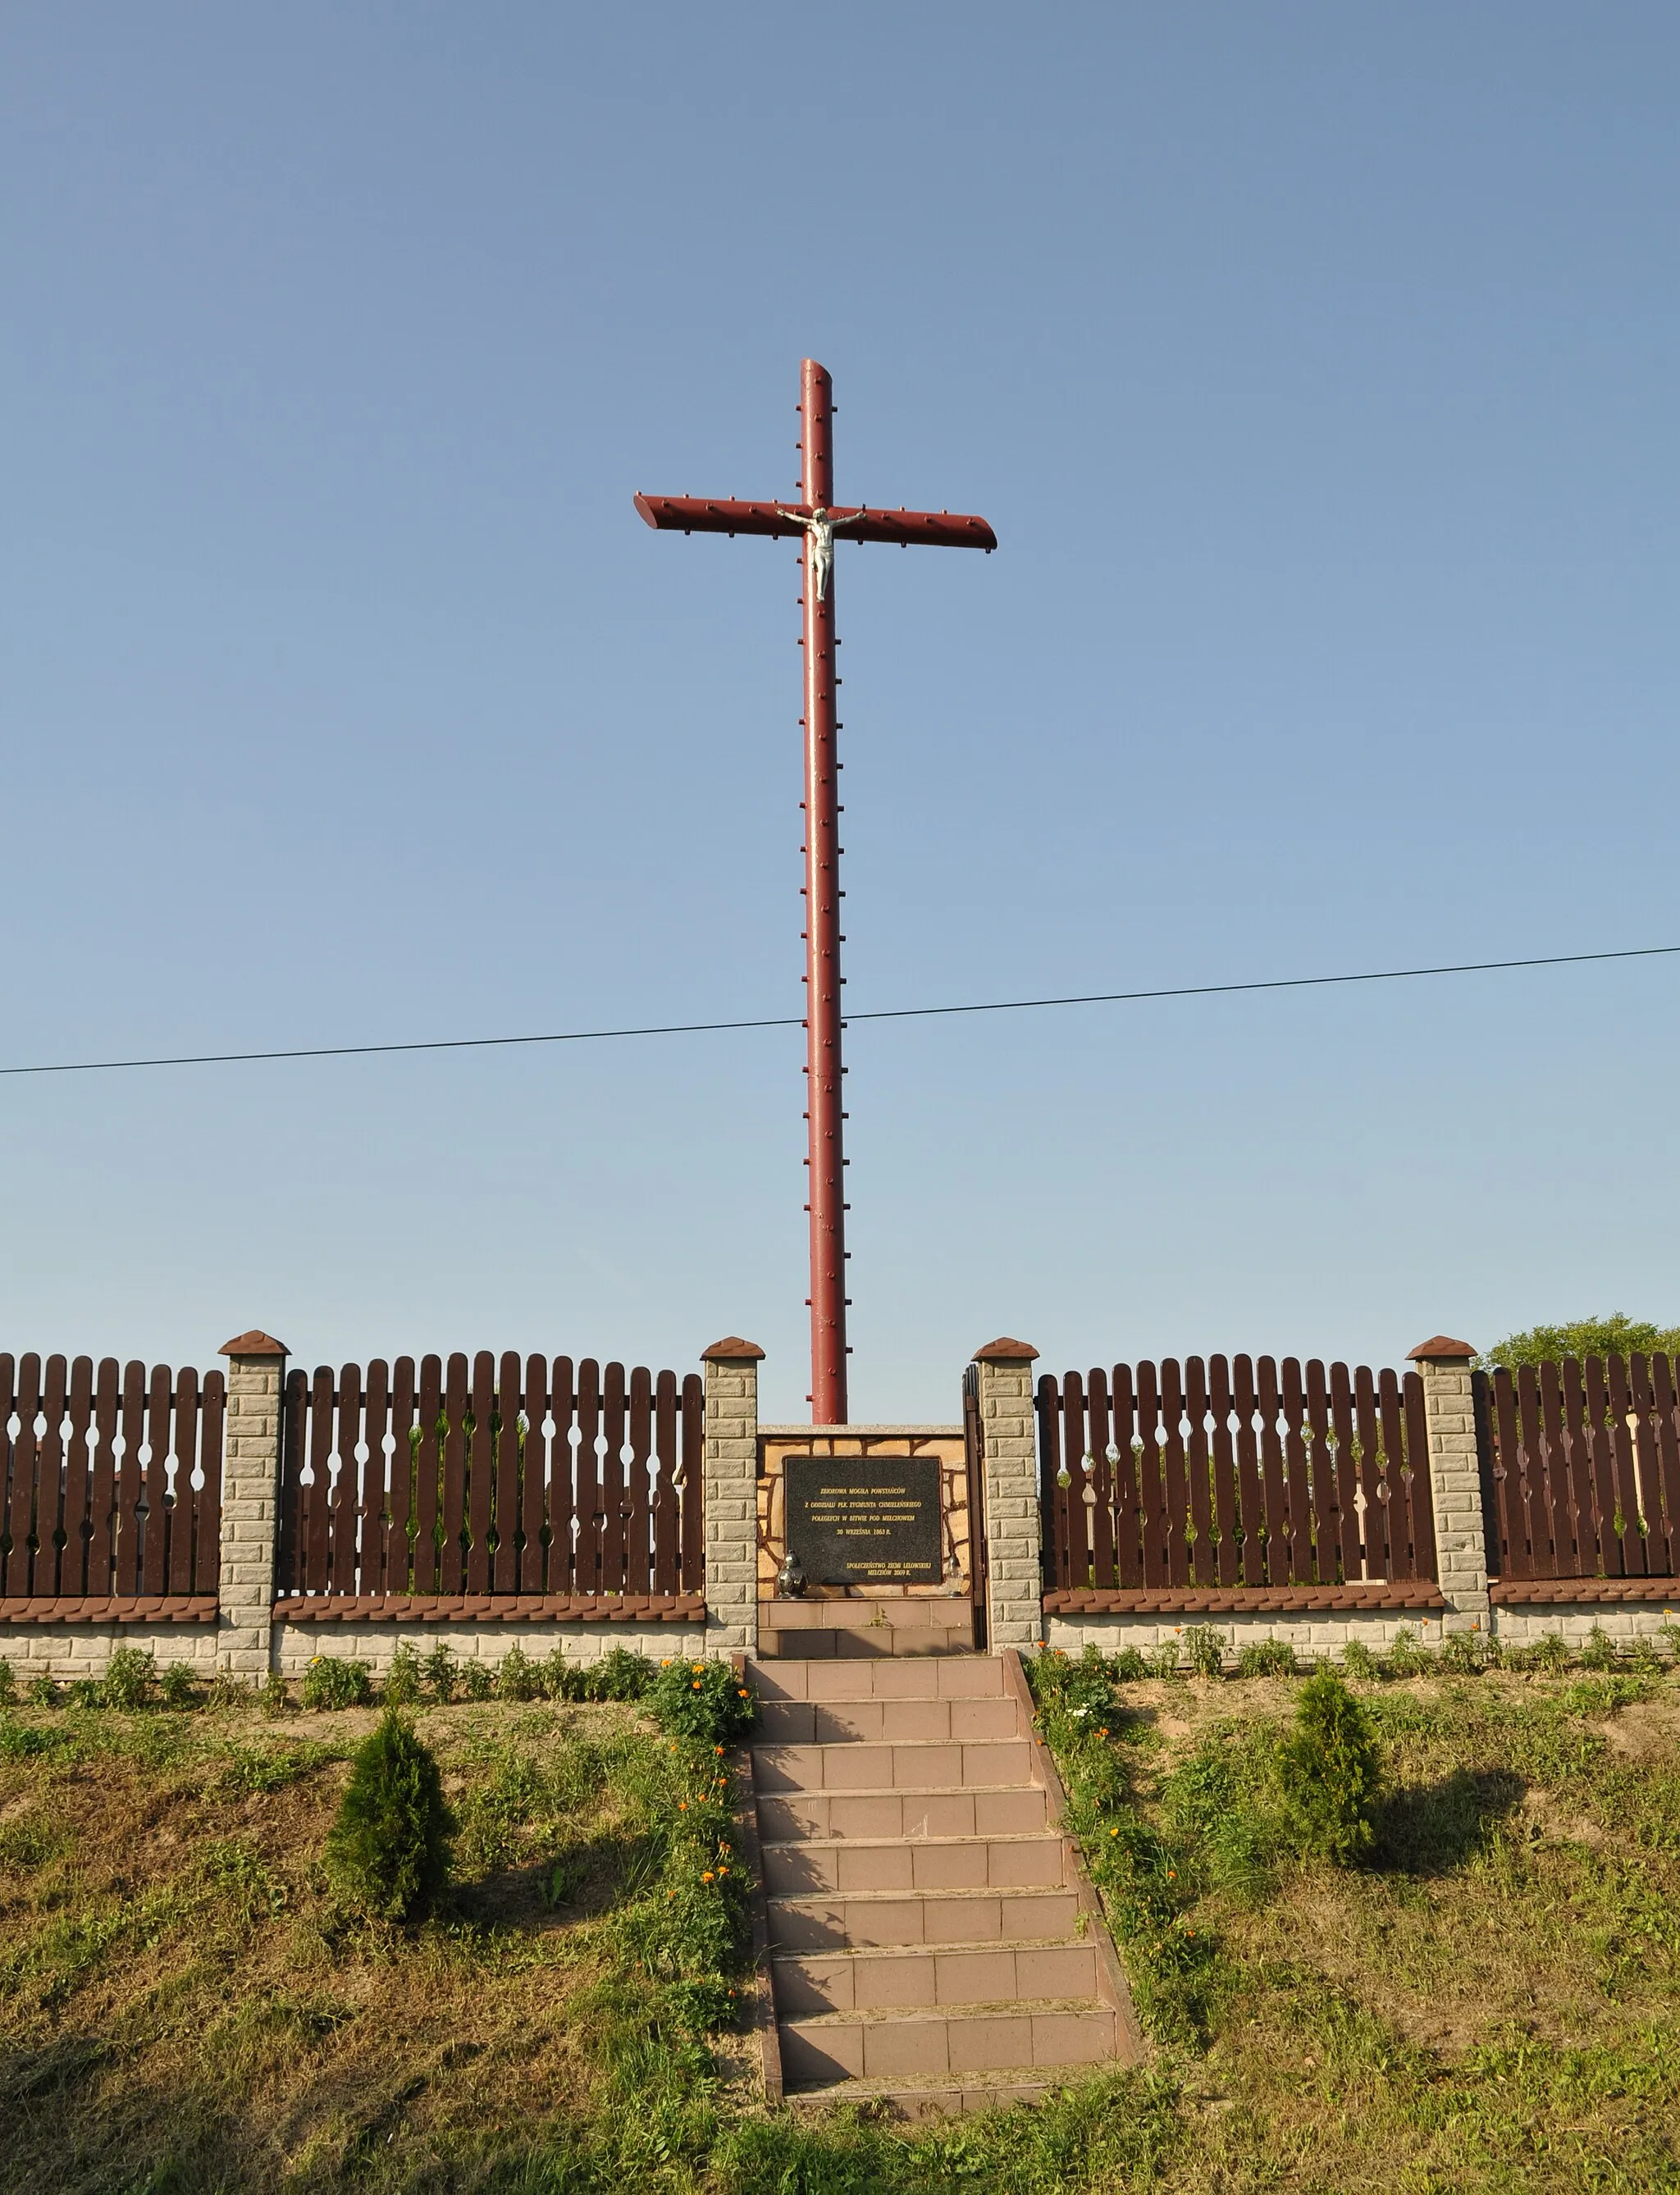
<point x="1455" y="1480"/>
<point x="251" y="1463"/>
<point x="1014" y="1537"/>
<point x="731" y="1495"/>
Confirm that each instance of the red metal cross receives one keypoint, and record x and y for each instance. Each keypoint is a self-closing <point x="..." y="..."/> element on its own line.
<point x="815" y="517"/>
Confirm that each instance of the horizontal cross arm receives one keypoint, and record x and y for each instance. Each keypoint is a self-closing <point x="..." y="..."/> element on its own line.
<point x="696" y="513"/>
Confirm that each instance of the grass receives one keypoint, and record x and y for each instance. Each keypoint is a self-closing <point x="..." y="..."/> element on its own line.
<point x="1492" y="2001"/>
<point x="1487" y="2003"/>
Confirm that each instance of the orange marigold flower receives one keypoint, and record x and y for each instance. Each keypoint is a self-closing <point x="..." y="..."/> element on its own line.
<point x="682" y="1805"/>
<point x="717" y="1749"/>
<point x="707" y="1877"/>
<point x="742" y="1694"/>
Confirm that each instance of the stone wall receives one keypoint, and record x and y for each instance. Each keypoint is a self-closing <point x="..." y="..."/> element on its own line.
<point x="483" y="1638"/>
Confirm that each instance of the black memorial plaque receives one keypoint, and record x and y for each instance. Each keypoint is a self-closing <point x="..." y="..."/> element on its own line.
<point x="864" y="1520"/>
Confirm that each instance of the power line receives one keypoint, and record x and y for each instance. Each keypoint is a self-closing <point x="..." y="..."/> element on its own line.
<point x="879" y="1014"/>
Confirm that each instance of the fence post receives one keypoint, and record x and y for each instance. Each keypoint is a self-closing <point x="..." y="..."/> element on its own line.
<point x="1014" y="1533"/>
<point x="1455" y="1480"/>
<point x="730" y="1495"/>
<point x="250" y="1461"/>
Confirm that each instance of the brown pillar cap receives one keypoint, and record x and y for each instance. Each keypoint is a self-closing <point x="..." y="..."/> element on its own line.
<point x="731" y="1349"/>
<point x="1443" y="1347"/>
<point x="1006" y="1350"/>
<point x="254" y="1344"/>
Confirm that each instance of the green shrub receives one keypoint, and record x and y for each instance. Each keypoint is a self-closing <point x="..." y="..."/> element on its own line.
<point x="388" y="1850"/>
<point x="519" y="1677"/>
<point x="1205" y="1643"/>
<point x="475" y="1680"/>
<point x="1331" y="1772"/>
<point x="1598" y="1653"/>
<point x="1465" y="1653"/>
<point x="275" y="1699"/>
<point x="1406" y="1658"/>
<point x="8" y="1687"/>
<point x="703" y="1699"/>
<point x="329" y="1683"/>
<point x="1267" y="1657"/>
<point x="441" y="1674"/>
<point x="402" y="1678"/>
<point x="42" y="1692"/>
<point x="129" y="1675"/>
<point x="1127" y="1666"/>
<point x="1163" y="1662"/>
<point x="228" y="1690"/>
<point x="619" y="1675"/>
<point x="1358" y="1662"/>
<point x="87" y="1692"/>
<point x="175" y="1686"/>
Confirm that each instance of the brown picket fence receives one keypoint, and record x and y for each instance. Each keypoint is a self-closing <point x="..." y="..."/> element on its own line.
<point x="111" y="1486"/>
<point x="1235" y="1474"/>
<point x="1585" y="1464"/>
<point x="506" y="1478"/>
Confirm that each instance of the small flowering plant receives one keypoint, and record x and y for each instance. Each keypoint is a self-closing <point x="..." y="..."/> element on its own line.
<point x="704" y="1700"/>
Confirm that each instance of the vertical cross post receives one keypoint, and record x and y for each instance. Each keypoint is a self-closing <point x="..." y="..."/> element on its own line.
<point x="815" y="522"/>
<point x="826" y="1161"/>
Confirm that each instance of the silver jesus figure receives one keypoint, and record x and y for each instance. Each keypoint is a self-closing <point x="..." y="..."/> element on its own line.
<point x="820" y="527"/>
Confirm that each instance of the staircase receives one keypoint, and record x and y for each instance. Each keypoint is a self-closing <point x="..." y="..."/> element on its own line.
<point x="931" y="1942"/>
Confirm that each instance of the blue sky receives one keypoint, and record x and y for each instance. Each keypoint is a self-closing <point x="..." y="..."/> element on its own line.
<point x="1316" y="364"/>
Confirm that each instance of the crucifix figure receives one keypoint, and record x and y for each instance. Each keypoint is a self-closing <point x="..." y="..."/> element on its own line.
<point x="816" y="520"/>
<point x="819" y="531"/>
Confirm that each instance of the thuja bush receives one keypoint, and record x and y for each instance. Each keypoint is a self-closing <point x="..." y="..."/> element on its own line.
<point x="8" y="1687"/>
<point x="1267" y="1657"/>
<point x="1330" y="1768"/>
<point x="702" y="1700"/>
<point x="388" y="1850"/>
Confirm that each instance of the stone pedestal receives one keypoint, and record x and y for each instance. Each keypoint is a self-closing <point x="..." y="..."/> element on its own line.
<point x="1455" y="1480"/>
<point x="1014" y="1538"/>
<point x="250" y="1462"/>
<point x="731" y="1495"/>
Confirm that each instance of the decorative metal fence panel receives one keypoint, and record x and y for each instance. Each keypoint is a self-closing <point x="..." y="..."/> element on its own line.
<point x="1232" y="1474"/>
<point x="112" y="1480"/>
<point x="1584" y="1465"/>
<point x="503" y="1478"/>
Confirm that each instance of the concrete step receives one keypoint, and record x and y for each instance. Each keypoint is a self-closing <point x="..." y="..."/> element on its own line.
<point x="939" y="2096"/>
<point x="854" y="1613"/>
<point x="1013" y="1810"/>
<point x="906" y="1764"/>
<point x="862" y="1645"/>
<point x="842" y="1920"/>
<point x="961" y="1862"/>
<point x="863" y="1630"/>
<point x="914" y="1977"/>
<point x="884" y="1721"/>
<point x="896" y="1677"/>
<point x="847" y="2047"/>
